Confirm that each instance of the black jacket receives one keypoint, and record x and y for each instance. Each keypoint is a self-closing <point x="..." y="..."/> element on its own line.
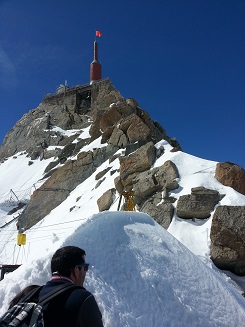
<point x="73" y="308"/>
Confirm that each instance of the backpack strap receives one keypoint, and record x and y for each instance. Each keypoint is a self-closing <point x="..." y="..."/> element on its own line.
<point x="58" y="290"/>
<point x="31" y="295"/>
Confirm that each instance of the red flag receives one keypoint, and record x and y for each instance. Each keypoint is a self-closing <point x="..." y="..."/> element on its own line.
<point x="98" y="34"/>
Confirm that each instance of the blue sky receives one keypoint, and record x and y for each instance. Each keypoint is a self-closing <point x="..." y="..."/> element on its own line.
<point x="183" y="61"/>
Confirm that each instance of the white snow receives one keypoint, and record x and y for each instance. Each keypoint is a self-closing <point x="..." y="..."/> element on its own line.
<point x="142" y="275"/>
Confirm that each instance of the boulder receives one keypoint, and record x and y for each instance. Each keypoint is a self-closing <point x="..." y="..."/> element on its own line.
<point x="149" y="182"/>
<point x="138" y="130"/>
<point x="228" y="239"/>
<point x="106" y="200"/>
<point x="102" y="173"/>
<point x="199" y="204"/>
<point x="230" y="174"/>
<point x="118" y="138"/>
<point x="141" y="160"/>
<point x="162" y="213"/>
<point x="110" y="117"/>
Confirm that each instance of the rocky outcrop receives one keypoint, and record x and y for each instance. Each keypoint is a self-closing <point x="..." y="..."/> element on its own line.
<point x="228" y="239"/>
<point x="230" y="174"/>
<point x="35" y="128"/>
<point x="150" y="187"/>
<point x="199" y="204"/>
<point x="120" y="122"/>
<point x="59" y="185"/>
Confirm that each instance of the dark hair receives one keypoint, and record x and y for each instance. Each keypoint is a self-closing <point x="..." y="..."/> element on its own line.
<point x="65" y="259"/>
<point x="22" y="294"/>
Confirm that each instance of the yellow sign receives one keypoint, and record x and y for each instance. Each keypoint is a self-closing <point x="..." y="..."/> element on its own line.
<point x="21" y="239"/>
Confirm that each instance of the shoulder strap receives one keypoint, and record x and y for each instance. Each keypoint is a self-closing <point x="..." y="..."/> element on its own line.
<point x="58" y="290"/>
<point x="31" y="294"/>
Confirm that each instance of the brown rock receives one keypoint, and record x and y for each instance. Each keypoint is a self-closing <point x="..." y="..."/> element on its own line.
<point x="138" y="130"/>
<point x="118" y="185"/>
<point x="107" y="134"/>
<point x="141" y="160"/>
<point x="230" y="174"/>
<point x="228" y="239"/>
<point x="110" y="117"/>
<point x="114" y="113"/>
<point x="106" y="200"/>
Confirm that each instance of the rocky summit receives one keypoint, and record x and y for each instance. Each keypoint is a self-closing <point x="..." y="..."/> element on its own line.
<point x="121" y="124"/>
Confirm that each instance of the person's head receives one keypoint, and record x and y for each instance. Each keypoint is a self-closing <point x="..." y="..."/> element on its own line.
<point x="69" y="261"/>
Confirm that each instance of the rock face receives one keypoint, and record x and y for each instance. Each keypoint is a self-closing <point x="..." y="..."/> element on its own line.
<point x="118" y="121"/>
<point x="151" y="186"/>
<point x="228" y="239"/>
<point x="59" y="185"/>
<point x="199" y="204"/>
<point x="230" y="174"/>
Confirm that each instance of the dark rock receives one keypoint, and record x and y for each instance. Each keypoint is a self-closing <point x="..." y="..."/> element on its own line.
<point x="80" y="144"/>
<point x="34" y="155"/>
<point x="118" y="138"/>
<point x="160" y="151"/>
<point x="99" y="182"/>
<point x="115" y="156"/>
<point x="50" y="166"/>
<point x="199" y="204"/>
<point x="19" y="206"/>
<point x="100" y="155"/>
<point x="67" y="151"/>
<point x="133" y="147"/>
<point x="162" y="213"/>
<point x="102" y="173"/>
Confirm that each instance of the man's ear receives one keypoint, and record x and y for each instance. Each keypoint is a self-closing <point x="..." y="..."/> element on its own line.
<point x="74" y="272"/>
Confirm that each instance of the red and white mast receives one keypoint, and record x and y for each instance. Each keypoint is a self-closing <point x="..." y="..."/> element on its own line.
<point x="95" y="66"/>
